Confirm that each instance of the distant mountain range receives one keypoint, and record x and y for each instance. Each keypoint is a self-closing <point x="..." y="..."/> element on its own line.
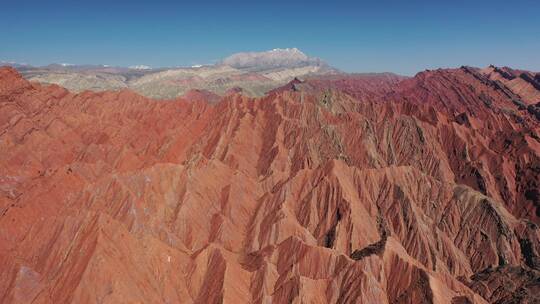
<point x="253" y="73"/>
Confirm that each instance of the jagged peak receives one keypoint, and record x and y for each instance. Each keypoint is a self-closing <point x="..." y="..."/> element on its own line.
<point x="11" y="79"/>
<point x="6" y="71"/>
<point x="291" y="85"/>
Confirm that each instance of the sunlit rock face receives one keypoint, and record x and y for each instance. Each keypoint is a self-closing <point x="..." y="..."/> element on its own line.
<point x="353" y="189"/>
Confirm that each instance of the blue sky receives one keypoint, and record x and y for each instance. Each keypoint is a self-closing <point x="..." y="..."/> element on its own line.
<point x="355" y="36"/>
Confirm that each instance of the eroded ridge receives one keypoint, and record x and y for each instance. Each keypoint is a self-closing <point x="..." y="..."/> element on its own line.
<point x="359" y="190"/>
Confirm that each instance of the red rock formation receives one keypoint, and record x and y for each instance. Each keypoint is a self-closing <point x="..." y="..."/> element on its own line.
<point x="422" y="191"/>
<point x="523" y="83"/>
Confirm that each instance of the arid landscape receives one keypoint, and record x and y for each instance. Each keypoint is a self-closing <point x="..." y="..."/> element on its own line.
<point x="331" y="188"/>
<point x="269" y="152"/>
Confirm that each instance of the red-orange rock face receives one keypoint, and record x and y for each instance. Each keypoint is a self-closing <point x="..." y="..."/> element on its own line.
<point x="356" y="190"/>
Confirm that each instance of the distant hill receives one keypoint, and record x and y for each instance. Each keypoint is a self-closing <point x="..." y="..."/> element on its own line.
<point x="253" y="72"/>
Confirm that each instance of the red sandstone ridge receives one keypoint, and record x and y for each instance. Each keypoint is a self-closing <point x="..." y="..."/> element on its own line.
<point x="524" y="83"/>
<point x="419" y="190"/>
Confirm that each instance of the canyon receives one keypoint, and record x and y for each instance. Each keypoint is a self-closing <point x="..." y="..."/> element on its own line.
<point x="327" y="188"/>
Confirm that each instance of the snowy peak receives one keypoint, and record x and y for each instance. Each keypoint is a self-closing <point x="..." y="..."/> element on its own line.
<point x="275" y="58"/>
<point x="287" y="53"/>
<point x="140" y="67"/>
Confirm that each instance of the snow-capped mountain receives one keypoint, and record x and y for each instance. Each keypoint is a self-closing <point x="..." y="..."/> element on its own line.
<point x="140" y="67"/>
<point x="276" y="58"/>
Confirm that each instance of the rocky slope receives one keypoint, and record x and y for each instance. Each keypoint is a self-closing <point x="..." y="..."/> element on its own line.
<point x="333" y="190"/>
<point x="524" y="83"/>
<point x="255" y="72"/>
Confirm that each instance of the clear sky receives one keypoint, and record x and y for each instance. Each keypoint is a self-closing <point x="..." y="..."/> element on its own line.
<point x="355" y="36"/>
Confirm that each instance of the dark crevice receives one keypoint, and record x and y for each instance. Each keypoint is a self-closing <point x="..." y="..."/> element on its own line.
<point x="529" y="255"/>
<point x="330" y="236"/>
<point x="480" y="182"/>
<point x="374" y="248"/>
